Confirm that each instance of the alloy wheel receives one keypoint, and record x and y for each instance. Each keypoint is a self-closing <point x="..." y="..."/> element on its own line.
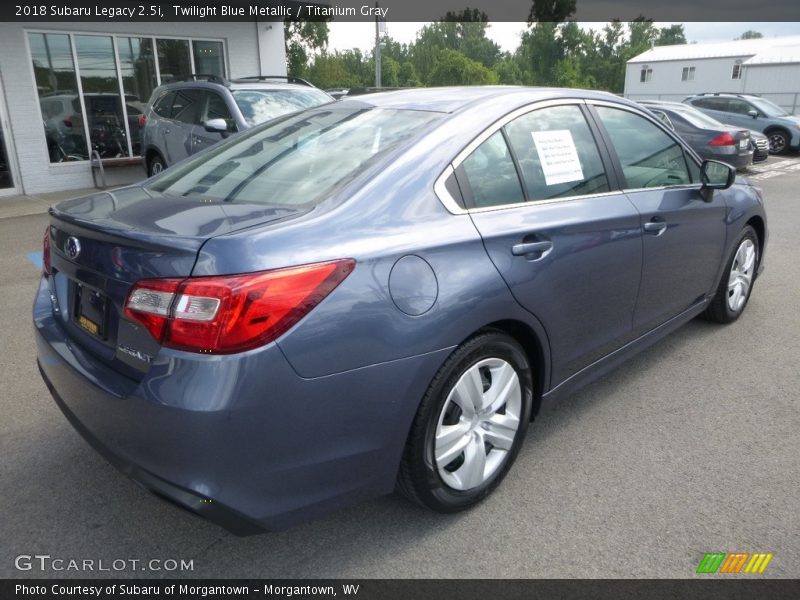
<point x="741" y="275"/>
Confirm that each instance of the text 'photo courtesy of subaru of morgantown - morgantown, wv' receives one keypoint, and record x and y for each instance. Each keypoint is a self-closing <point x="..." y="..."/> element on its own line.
<point x="378" y="293"/>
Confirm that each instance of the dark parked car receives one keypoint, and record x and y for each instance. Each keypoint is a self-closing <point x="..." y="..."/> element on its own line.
<point x="708" y="137"/>
<point x="753" y="112"/>
<point x="760" y="144"/>
<point x="379" y="292"/>
<point x="185" y="117"/>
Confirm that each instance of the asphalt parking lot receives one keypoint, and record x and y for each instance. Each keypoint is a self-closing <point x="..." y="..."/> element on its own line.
<point x="691" y="447"/>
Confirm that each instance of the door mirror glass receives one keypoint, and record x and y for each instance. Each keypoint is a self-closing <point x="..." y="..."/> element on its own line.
<point x="717" y="175"/>
<point x="216" y="126"/>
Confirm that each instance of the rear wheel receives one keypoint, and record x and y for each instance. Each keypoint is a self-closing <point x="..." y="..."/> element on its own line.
<point x="469" y="426"/>
<point x="155" y="166"/>
<point x="737" y="282"/>
<point x="778" y="142"/>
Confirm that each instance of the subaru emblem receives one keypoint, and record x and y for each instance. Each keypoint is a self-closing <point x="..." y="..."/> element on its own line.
<point x="72" y="248"/>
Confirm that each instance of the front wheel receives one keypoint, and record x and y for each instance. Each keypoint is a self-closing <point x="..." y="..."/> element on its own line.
<point x="734" y="289"/>
<point x="470" y="424"/>
<point x="778" y="142"/>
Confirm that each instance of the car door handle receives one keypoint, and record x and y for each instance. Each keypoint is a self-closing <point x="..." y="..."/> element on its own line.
<point x="655" y="227"/>
<point x="166" y="130"/>
<point x="530" y="250"/>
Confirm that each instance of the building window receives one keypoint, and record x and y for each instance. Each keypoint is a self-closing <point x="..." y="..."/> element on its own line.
<point x="82" y="80"/>
<point x="737" y="70"/>
<point x="687" y="74"/>
<point x="646" y="74"/>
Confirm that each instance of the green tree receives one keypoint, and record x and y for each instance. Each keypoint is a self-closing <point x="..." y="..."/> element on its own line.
<point x="672" y="35"/>
<point x="453" y="68"/>
<point x="750" y="35"/>
<point x="303" y="38"/>
<point x="551" y="11"/>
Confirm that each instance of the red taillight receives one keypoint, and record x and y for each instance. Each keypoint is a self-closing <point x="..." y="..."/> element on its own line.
<point x="723" y="139"/>
<point x="226" y="314"/>
<point x="46" y="252"/>
<point x="142" y="120"/>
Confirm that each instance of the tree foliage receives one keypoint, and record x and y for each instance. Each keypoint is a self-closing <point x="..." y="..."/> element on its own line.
<point x="456" y="50"/>
<point x="750" y="35"/>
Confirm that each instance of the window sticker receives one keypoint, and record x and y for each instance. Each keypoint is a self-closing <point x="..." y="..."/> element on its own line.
<point x="558" y="155"/>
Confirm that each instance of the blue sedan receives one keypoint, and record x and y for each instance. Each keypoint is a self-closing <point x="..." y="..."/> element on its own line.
<point x="378" y="294"/>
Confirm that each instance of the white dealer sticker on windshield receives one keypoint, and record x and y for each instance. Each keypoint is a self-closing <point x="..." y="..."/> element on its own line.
<point x="559" y="157"/>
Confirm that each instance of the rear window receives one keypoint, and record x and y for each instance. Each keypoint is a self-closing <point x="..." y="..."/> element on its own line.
<point x="699" y="119"/>
<point x="258" y="106"/>
<point x="297" y="161"/>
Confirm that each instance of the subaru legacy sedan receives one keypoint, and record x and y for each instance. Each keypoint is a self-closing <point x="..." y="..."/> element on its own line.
<point x="378" y="294"/>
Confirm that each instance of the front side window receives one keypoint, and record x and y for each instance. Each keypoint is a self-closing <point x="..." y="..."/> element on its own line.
<point x="557" y="153"/>
<point x="649" y="157"/>
<point x="289" y="163"/>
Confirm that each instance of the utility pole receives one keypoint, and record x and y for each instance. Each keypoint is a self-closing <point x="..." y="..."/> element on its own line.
<point x="377" y="49"/>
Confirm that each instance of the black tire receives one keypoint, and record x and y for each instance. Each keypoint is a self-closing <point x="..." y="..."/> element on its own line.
<point x="720" y="310"/>
<point x="155" y="166"/>
<point x="778" y="141"/>
<point x="419" y="478"/>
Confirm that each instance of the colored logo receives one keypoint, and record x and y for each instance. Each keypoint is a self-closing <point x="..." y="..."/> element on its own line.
<point x="734" y="562"/>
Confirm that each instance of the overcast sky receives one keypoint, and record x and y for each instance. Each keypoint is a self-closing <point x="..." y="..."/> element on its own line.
<point x="346" y="35"/>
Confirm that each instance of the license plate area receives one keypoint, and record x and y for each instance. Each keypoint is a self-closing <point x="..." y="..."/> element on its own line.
<point x="91" y="311"/>
<point x="743" y="144"/>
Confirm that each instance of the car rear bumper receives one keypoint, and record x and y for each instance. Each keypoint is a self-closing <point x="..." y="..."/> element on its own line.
<point x="241" y="440"/>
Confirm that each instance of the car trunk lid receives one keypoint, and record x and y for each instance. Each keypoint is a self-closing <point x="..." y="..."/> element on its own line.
<point x="103" y="243"/>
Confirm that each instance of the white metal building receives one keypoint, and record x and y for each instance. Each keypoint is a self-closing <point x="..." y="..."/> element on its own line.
<point x="56" y="78"/>
<point x="769" y="67"/>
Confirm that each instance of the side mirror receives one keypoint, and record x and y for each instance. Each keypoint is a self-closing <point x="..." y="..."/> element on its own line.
<point x="217" y="126"/>
<point x="753" y="113"/>
<point x="715" y="175"/>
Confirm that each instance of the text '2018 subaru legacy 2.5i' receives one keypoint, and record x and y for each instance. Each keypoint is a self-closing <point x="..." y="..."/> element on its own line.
<point x="379" y="293"/>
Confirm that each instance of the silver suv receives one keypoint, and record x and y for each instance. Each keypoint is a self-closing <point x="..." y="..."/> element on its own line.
<point x="185" y="117"/>
<point x="752" y="112"/>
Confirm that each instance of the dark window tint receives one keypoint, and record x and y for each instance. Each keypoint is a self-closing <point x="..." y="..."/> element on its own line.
<point x="491" y="175"/>
<point x="163" y="106"/>
<point x="186" y="106"/>
<point x="712" y="103"/>
<point x="557" y="153"/>
<point x="216" y="107"/>
<point x="649" y="157"/>
<point x="739" y="107"/>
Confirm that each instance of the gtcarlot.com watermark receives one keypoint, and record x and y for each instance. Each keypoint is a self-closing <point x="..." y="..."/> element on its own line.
<point x="47" y="563"/>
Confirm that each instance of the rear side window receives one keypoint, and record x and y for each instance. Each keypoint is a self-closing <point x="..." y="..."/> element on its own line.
<point x="186" y="106"/>
<point x="712" y="103"/>
<point x="649" y="157"/>
<point x="557" y="153"/>
<point x="163" y="105"/>
<point x="491" y="176"/>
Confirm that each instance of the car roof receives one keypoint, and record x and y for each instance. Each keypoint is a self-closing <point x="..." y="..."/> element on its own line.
<point x="454" y="99"/>
<point x="237" y="85"/>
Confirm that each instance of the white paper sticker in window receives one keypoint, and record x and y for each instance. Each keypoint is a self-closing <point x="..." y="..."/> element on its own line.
<point x="558" y="155"/>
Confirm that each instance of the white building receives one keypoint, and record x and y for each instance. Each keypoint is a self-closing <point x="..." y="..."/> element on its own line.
<point x="53" y="74"/>
<point x="769" y="67"/>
